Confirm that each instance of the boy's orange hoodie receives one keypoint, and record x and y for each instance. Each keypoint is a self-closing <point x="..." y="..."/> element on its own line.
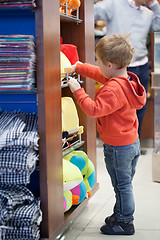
<point x="114" y="106"/>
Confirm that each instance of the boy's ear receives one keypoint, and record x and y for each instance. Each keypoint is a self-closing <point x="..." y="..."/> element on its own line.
<point x="109" y="64"/>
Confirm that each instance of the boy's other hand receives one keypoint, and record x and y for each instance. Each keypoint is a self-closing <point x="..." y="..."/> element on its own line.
<point x="73" y="84"/>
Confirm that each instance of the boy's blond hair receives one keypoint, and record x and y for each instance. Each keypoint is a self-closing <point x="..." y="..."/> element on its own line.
<point x="116" y="49"/>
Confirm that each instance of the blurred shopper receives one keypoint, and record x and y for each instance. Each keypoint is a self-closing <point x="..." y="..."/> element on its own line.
<point x="136" y="17"/>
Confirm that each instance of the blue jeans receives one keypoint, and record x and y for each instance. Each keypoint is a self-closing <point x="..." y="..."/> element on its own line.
<point x="143" y="74"/>
<point x="121" y="163"/>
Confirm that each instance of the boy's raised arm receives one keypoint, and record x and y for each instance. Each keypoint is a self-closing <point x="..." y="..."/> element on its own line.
<point x="90" y="71"/>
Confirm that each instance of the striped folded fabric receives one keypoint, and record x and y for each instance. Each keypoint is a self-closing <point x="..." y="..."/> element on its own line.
<point x="17" y="59"/>
<point x="18" y="3"/>
<point x="18" y="147"/>
<point x="17" y="157"/>
<point x="17" y="128"/>
<point x="20" y="214"/>
<point x="10" y="127"/>
<point x="11" y="197"/>
<point x="11" y="176"/>
<point x="26" y="215"/>
<point x="20" y="233"/>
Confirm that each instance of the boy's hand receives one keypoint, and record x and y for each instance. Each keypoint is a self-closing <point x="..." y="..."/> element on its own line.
<point x="73" y="84"/>
<point x="74" y="66"/>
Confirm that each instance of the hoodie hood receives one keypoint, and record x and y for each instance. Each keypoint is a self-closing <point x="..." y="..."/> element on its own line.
<point x="133" y="90"/>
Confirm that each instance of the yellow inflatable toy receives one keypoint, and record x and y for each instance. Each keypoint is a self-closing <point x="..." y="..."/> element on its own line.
<point x="70" y="119"/>
<point x="65" y="65"/>
<point x="72" y="177"/>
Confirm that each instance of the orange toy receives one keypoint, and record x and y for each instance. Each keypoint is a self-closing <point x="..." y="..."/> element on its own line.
<point x="62" y="8"/>
<point x="63" y="1"/>
<point x="72" y="6"/>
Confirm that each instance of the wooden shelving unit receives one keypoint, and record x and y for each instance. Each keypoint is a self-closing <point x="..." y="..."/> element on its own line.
<point x="50" y="25"/>
<point x="47" y="25"/>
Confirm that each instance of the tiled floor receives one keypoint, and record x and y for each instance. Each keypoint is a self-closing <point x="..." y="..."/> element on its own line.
<point x="147" y="198"/>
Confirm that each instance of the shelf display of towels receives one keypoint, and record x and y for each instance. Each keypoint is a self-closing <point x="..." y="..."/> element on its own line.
<point x="20" y="213"/>
<point x="18" y="147"/>
<point x="18" y="3"/>
<point x="17" y="63"/>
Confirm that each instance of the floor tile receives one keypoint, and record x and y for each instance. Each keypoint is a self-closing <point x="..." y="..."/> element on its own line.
<point x="94" y="234"/>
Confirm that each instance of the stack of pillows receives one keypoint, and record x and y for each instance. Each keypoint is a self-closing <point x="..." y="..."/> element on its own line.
<point x="78" y="178"/>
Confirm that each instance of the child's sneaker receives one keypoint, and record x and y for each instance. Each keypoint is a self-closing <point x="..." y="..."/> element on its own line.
<point x="113" y="227"/>
<point x="108" y="219"/>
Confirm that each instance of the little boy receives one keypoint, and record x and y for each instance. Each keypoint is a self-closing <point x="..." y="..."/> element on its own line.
<point x="114" y="107"/>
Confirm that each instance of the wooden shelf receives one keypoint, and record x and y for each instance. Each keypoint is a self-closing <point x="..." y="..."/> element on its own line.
<point x="67" y="18"/>
<point x="73" y="147"/>
<point x="73" y="17"/>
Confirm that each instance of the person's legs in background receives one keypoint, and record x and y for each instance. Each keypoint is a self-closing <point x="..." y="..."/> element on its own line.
<point x="143" y="74"/>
